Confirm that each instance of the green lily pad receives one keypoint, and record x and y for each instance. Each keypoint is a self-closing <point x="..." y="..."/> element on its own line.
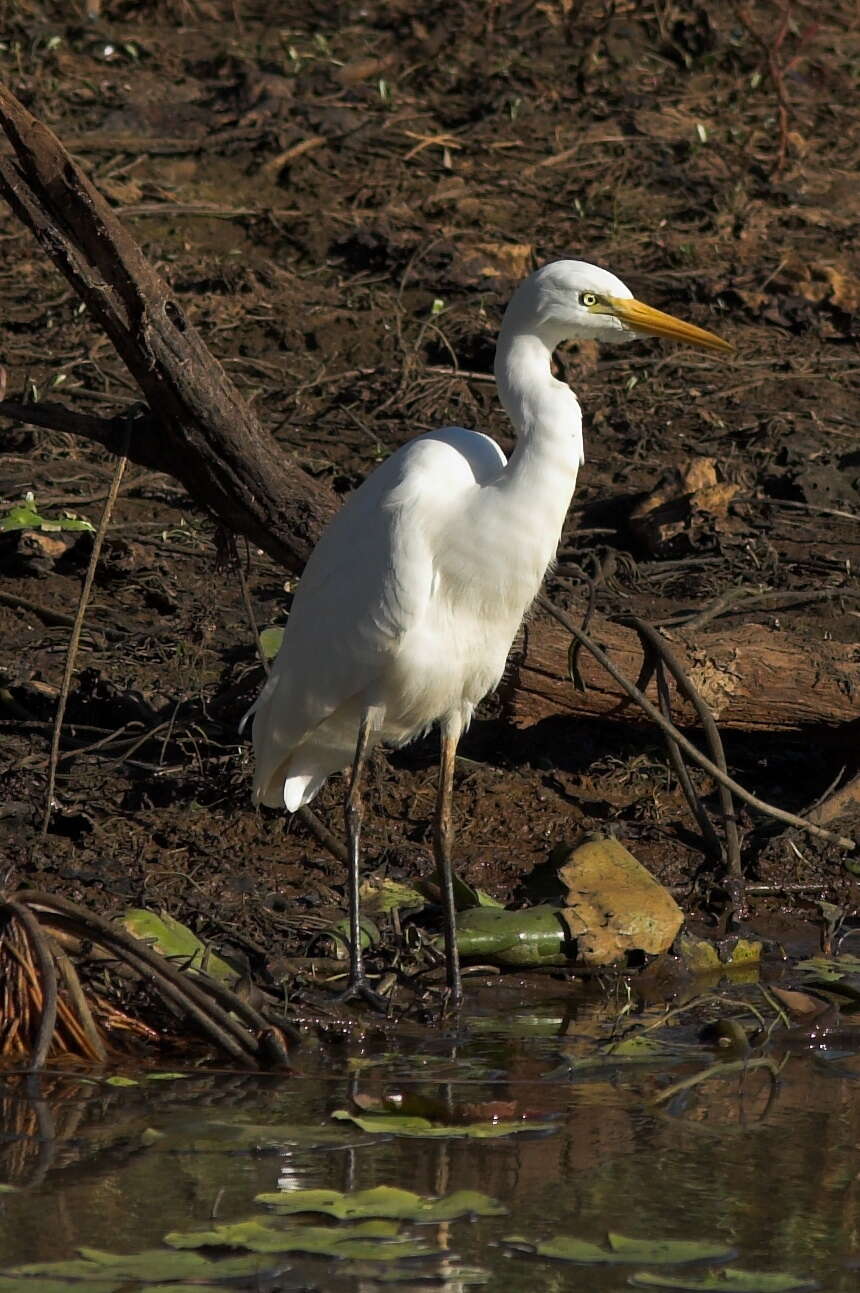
<point x="25" y="517"/>
<point x="638" y="1049"/>
<point x="384" y="1201"/>
<point x="533" y="936"/>
<point x="173" y="939"/>
<point x="622" y="1250"/>
<point x="44" y="1284"/>
<point x="726" y="1281"/>
<point x="103" y="1271"/>
<point x="377" y="1240"/>
<point x="404" y="1125"/>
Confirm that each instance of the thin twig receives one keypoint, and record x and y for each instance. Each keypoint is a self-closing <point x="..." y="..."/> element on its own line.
<point x="659" y="645"/>
<point x="709" y="836"/>
<point x="77" y="628"/>
<point x="769" y="810"/>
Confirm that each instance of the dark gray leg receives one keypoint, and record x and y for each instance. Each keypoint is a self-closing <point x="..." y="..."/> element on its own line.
<point x="442" y="840"/>
<point x="353" y="816"/>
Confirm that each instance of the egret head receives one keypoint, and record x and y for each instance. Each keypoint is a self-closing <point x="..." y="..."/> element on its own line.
<point x="570" y="300"/>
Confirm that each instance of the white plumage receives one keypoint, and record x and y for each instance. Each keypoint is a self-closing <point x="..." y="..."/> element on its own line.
<point x="409" y="604"/>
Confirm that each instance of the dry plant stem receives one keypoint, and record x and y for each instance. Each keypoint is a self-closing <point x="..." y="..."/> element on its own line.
<point x="48" y="972"/>
<point x="190" y="995"/>
<point x="718" y="1070"/>
<point x="322" y="834"/>
<point x="778" y="814"/>
<point x="87" y="1024"/>
<point x="74" y="640"/>
<point x="710" y="839"/>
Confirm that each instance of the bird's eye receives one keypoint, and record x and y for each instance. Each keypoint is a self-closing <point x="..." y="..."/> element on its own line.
<point x="588" y="299"/>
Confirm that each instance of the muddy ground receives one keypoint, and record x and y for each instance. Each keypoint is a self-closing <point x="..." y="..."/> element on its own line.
<point x="342" y="197"/>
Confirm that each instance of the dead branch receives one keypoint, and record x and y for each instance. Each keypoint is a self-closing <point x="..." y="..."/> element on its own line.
<point x="201" y="430"/>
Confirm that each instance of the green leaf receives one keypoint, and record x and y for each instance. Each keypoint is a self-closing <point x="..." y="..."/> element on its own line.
<point x="103" y="1272"/>
<point x="404" y="1125"/>
<point x="726" y="1281"/>
<point x="270" y="641"/>
<point x="622" y="1250"/>
<point x="25" y="517"/>
<point x="533" y="936"/>
<point x="379" y="1240"/>
<point x="119" y="1080"/>
<point x="45" y="1284"/>
<point x="384" y="1201"/>
<point x="637" y="1049"/>
<point x="381" y="896"/>
<point x="173" y="939"/>
<point x="152" y="1266"/>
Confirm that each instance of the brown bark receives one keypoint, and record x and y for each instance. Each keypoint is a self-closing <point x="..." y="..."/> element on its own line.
<point x="752" y="677"/>
<point x="199" y="428"/>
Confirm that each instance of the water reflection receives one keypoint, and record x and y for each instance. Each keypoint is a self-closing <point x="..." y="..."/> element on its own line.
<point x="762" y="1160"/>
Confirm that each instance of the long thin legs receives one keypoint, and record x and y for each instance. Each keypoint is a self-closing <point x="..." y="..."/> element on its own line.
<point x="443" y="835"/>
<point x="353" y="815"/>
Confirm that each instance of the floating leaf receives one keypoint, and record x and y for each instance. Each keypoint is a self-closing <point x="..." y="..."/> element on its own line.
<point x="377" y="1240"/>
<point x="533" y="936"/>
<point x="841" y="974"/>
<point x="102" y="1272"/>
<point x="44" y="1284"/>
<point x="726" y="1281"/>
<point x="638" y="1049"/>
<point x="384" y="1201"/>
<point x="173" y="939"/>
<point x="404" y="1125"/>
<point x="622" y="1250"/>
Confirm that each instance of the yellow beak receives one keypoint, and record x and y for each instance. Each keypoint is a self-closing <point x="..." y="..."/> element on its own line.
<point x="650" y="322"/>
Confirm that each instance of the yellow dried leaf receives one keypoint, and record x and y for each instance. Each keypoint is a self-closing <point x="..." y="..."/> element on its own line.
<point x="614" y="906"/>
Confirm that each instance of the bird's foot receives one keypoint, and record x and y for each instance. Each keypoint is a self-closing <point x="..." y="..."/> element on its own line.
<point x="358" y="989"/>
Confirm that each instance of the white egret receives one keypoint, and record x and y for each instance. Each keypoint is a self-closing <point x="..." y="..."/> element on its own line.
<point x="410" y="601"/>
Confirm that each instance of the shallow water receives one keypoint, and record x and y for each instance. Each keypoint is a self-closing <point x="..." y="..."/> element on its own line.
<point x="770" y="1168"/>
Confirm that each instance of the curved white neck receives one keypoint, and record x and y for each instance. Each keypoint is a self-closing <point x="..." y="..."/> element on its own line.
<point x="544" y="412"/>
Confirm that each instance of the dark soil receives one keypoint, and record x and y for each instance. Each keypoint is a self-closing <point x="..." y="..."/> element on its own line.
<point x="342" y="197"/>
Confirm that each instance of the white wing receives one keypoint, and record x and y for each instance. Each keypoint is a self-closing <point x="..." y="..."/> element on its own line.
<point x="367" y="583"/>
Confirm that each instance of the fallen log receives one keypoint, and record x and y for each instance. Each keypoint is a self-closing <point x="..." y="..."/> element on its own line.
<point x="753" y="678"/>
